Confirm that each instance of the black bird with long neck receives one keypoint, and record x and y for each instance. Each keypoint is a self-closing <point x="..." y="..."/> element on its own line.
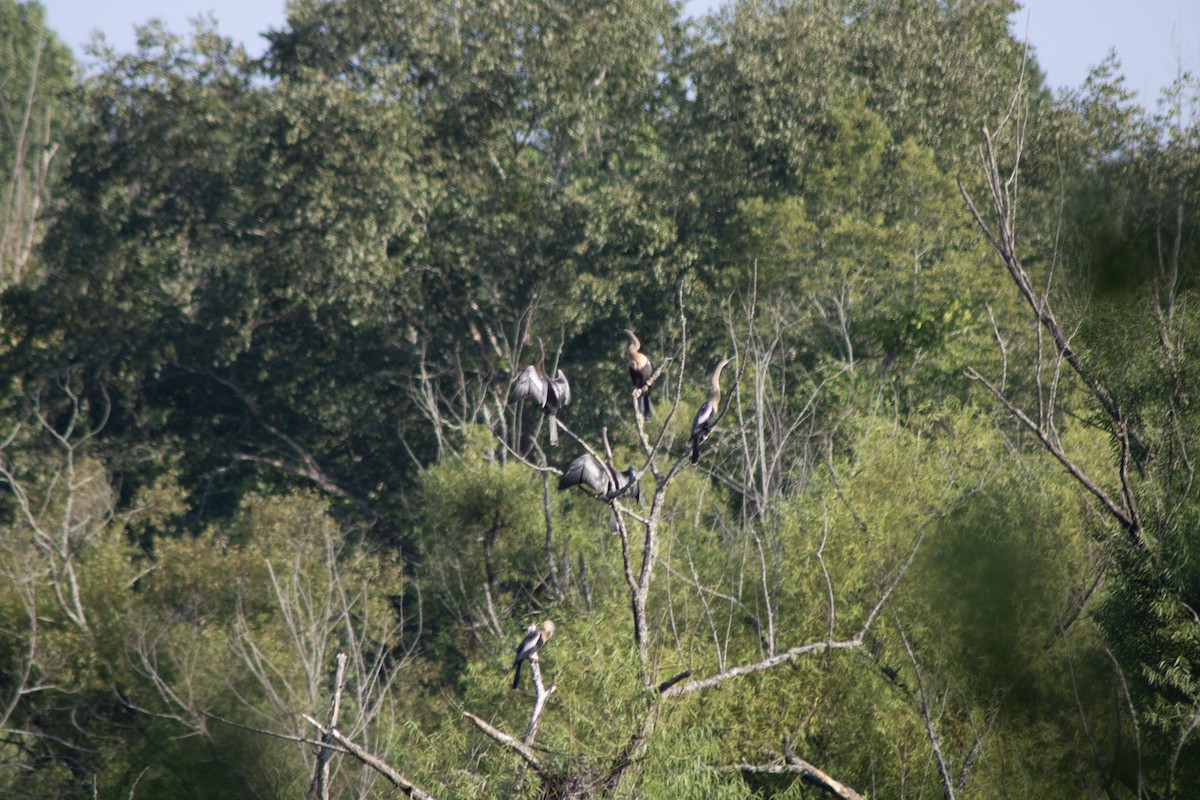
<point x="603" y="479"/>
<point x="550" y="394"/>
<point x="533" y="641"/>
<point x="640" y="371"/>
<point x="706" y="417"/>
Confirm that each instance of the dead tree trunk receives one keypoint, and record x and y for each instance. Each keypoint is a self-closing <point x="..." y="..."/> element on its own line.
<point x="320" y="783"/>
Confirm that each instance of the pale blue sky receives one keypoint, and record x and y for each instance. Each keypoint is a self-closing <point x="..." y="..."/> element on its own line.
<point x="1152" y="37"/>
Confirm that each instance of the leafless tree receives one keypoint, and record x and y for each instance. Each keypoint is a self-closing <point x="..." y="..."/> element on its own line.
<point x="30" y="139"/>
<point x="1053" y="354"/>
<point x="65" y="501"/>
<point x="328" y="609"/>
<point x="62" y="503"/>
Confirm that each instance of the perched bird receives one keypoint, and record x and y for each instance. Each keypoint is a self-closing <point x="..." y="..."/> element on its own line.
<point x="534" y="640"/>
<point x="706" y="417"/>
<point x="550" y="394"/>
<point x="640" y="372"/>
<point x="603" y="479"/>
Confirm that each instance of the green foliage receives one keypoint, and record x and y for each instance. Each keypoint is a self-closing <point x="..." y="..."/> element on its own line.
<point x="37" y="70"/>
<point x="176" y="648"/>
<point x="233" y="283"/>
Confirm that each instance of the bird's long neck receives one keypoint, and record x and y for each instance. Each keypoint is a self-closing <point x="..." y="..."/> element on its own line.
<point x="634" y="345"/>
<point x="714" y="395"/>
<point x="541" y="362"/>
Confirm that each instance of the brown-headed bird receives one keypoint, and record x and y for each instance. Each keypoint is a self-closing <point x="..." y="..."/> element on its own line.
<point x="534" y="640"/>
<point x="706" y="417"/>
<point x="640" y="372"/>
<point x="550" y="394"/>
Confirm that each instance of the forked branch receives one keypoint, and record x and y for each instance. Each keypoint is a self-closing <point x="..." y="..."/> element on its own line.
<point x="1000" y="234"/>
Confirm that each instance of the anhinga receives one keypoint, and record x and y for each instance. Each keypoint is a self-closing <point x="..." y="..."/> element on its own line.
<point x="550" y="394"/>
<point x="603" y="479"/>
<point x="706" y="417"/>
<point x="640" y="372"/>
<point x="533" y="641"/>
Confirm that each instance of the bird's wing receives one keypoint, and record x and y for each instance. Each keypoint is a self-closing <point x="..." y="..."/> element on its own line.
<point x="528" y="645"/>
<point x="562" y="389"/>
<point x="641" y="373"/>
<point x="704" y="418"/>
<point x="627" y="477"/>
<point x="528" y="384"/>
<point x="585" y="470"/>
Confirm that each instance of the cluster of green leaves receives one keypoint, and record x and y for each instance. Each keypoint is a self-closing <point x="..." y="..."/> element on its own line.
<point x="177" y="649"/>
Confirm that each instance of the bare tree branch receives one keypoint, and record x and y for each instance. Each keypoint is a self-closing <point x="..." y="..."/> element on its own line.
<point x="320" y="782"/>
<point x="1002" y="194"/>
<point x="374" y="762"/>
<point x="522" y="749"/>
<point x="935" y="741"/>
<point x="794" y="765"/>
<point x="794" y="653"/>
